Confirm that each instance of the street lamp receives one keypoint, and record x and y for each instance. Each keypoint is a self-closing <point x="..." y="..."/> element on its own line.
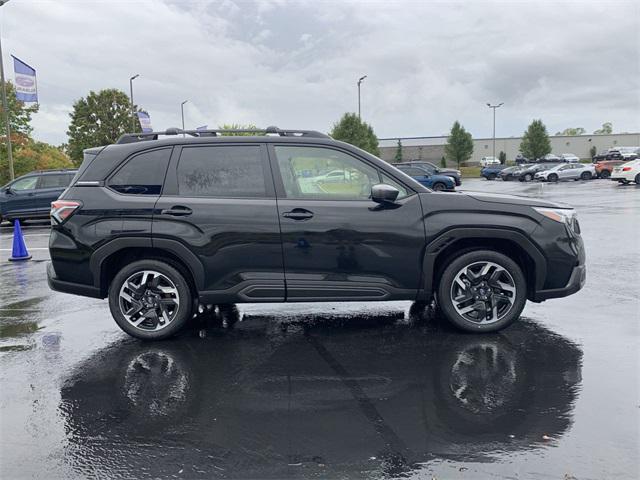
<point x="133" y="110"/>
<point x="359" y="82"/>
<point x="494" y="107"/>
<point x="182" y="112"/>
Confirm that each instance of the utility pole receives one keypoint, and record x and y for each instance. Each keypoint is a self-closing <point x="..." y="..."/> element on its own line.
<point x="133" y="109"/>
<point x="5" y="107"/>
<point x="359" y="82"/>
<point x="494" y="107"/>
<point x="182" y="112"/>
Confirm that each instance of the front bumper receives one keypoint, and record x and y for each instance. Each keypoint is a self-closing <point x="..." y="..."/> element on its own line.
<point x="576" y="282"/>
<point x="68" y="287"/>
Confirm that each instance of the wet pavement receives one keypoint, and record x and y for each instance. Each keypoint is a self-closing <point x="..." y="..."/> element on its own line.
<point x="376" y="390"/>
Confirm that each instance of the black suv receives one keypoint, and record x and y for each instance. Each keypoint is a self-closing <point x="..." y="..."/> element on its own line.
<point x="30" y="196"/>
<point x="165" y="227"/>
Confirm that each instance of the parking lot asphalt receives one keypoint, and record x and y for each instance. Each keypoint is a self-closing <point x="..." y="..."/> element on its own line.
<point x="376" y="390"/>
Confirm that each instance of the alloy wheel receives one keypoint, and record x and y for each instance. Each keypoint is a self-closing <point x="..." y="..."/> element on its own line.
<point x="149" y="300"/>
<point x="483" y="292"/>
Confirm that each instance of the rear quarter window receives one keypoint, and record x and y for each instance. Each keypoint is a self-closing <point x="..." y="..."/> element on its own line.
<point x="142" y="174"/>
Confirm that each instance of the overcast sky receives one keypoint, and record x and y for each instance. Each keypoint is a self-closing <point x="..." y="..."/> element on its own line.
<point x="295" y="64"/>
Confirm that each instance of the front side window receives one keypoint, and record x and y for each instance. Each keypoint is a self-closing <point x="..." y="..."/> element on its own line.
<point x="28" y="183"/>
<point x="324" y="173"/>
<point x="230" y="171"/>
<point x="142" y="174"/>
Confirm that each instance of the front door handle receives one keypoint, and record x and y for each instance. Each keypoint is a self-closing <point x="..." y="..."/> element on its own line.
<point x="177" y="211"/>
<point x="298" y="214"/>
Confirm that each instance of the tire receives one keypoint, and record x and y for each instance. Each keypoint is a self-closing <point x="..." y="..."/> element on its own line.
<point x="160" y="310"/>
<point x="552" y="177"/>
<point x="439" y="187"/>
<point x="605" y="174"/>
<point x="507" y="292"/>
<point x="527" y="178"/>
<point x="637" y="179"/>
<point x="585" y="176"/>
<point x="491" y="176"/>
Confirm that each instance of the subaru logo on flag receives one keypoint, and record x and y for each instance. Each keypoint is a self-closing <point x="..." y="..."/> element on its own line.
<point x="145" y="122"/>
<point x="26" y="86"/>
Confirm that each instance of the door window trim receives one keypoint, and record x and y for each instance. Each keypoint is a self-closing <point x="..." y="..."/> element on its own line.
<point x="279" y="183"/>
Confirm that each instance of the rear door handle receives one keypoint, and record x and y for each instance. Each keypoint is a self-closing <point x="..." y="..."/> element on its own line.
<point x="298" y="214"/>
<point x="177" y="211"/>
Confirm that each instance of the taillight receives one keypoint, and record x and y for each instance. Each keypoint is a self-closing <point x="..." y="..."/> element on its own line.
<point x="626" y="169"/>
<point x="63" y="209"/>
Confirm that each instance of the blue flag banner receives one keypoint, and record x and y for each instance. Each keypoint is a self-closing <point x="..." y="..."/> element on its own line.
<point x="203" y="127"/>
<point x="26" y="86"/>
<point x="145" y="122"/>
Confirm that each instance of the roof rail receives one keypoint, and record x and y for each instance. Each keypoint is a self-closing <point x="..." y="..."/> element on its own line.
<point x="141" y="137"/>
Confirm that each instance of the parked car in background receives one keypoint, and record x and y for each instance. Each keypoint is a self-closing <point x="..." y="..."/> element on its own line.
<point x="611" y="154"/>
<point x="570" y="158"/>
<point x="30" y="196"/>
<point x="567" y="171"/>
<point x="485" y="161"/>
<point x="550" y="158"/>
<point x="521" y="159"/>
<point x="433" y="170"/>
<point x="332" y="177"/>
<point x="629" y="153"/>
<point x="491" y="172"/>
<point x="527" y="174"/>
<point x="435" y="182"/>
<point x="627" y="172"/>
<point x="604" y="168"/>
<point x="511" y="173"/>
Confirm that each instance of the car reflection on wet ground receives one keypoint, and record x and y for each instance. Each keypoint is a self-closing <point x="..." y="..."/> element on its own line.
<point x="376" y="390"/>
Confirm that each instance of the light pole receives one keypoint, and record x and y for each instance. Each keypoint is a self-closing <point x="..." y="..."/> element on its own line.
<point x="182" y="112"/>
<point x="5" y="107"/>
<point x="133" y="109"/>
<point x="494" y="107"/>
<point x="359" y="82"/>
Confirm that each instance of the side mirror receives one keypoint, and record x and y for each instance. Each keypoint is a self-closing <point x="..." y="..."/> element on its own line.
<point x="383" y="193"/>
<point x="8" y="191"/>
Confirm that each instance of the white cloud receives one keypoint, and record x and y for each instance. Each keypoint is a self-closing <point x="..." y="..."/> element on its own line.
<point x="296" y="64"/>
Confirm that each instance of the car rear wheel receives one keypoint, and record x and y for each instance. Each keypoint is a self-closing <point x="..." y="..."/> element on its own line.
<point x="552" y="177"/>
<point x="150" y="300"/>
<point x="491" y="176"/>
<point x="439" y="187"/>
<point x="482" y="291"/>
<point x="605" y="174"/>
<point x="585" y="176"/>
<point x="528" y="177"/>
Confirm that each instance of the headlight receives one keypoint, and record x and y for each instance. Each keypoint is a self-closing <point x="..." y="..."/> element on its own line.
<point x="568" y="216"/>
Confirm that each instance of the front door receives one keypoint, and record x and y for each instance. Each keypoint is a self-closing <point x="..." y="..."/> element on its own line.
<point x="20" y="197"/>
<point x="219" y="205"/>
<point x="337" y="243"/>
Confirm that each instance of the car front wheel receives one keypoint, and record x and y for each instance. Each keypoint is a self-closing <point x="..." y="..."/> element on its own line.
<point x="605" y="174"/>
<point x="585" y="176"/>
<point x="150" y="300"/>
<point x="482" y="291"/>
<point x="439" y="187"/>
<point x="528" y="177"/>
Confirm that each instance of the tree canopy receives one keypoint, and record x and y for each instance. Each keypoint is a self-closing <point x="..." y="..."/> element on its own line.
<point x="398" y="156"/>
<point x="535" y="141"/>
<point x="353" y="130"/>
<point x="607" y="128"/>
<point x="567" y="132"/>
<point x="99" y="119"/>
<point x="459" y="147"/>
<point x="238" y="126"/>
<point x="29" y="155"/>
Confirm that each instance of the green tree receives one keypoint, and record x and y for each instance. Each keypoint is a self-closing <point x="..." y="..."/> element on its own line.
<point x="398" y="157"/>
<point x="99" y="119"/>
<point x="29" y="155"/>
<point x="593" y="151"/>
<point x="19" y="114"/>
<point x="568" y="132"/>
<point x="459" y="147"/>
<point x="443" y="162"/>
<point x="352" y="130"/>
<point x="502" y="157"/>
<point x="238" y="126"/>
<point x="607" y="129"/>
<point x="535" y="141"/>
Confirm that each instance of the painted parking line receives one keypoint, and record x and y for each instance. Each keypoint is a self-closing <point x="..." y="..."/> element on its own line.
<point x="30" y="248"/>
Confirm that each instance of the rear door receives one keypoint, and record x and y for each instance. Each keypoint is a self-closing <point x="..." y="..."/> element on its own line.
<point x="337" y="243"/>
<point x="219" y="209"/>
<point x="49" y="188"/>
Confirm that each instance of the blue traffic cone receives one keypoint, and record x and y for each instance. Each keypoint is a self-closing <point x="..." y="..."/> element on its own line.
<point x="19" y="251"/>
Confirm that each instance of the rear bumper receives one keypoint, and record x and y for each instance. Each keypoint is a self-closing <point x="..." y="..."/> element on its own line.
<point x="576" y="282"/>
<point x="68" y="287"/>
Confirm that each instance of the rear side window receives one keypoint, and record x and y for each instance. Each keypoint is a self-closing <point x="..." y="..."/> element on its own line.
<point x="142" y="174"/>
<point x="221" y="171"/>
<point x="54" y="181"/>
